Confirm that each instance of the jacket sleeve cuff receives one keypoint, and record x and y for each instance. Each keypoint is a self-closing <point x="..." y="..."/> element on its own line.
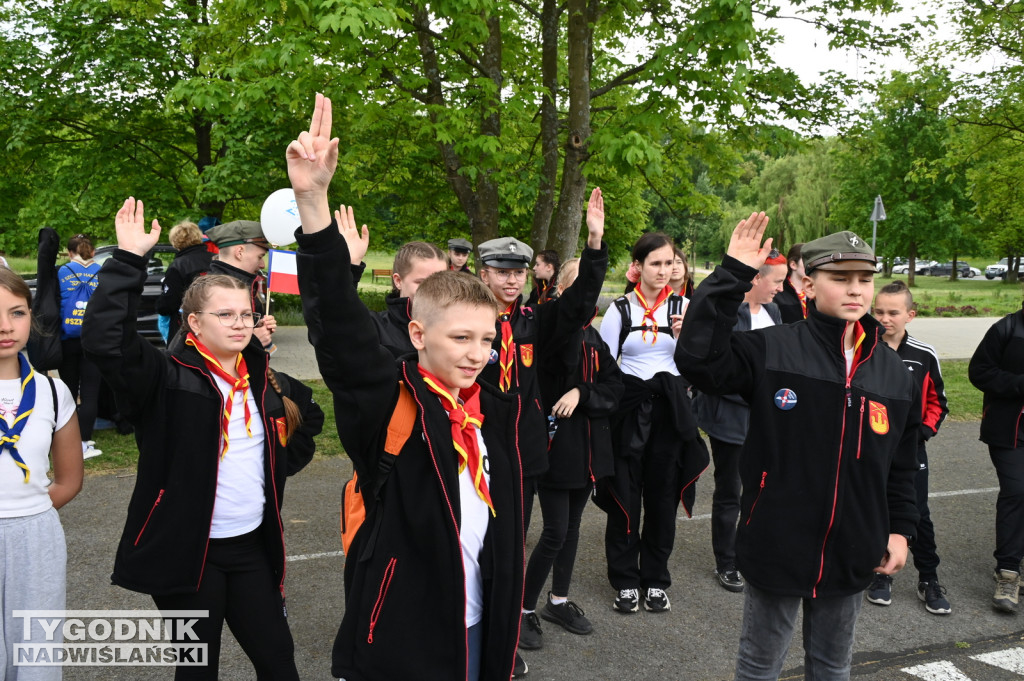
<point x="584" y="393"/>
<point x="130" y="258"/>
<point x="318" y="242"/>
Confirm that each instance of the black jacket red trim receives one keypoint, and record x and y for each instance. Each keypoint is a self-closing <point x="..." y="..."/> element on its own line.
<point x="788" y="301"/>
<point x="581" y="451"/>
<point x="828" y="467"/>
<point x="404" y="581"/>
<point x="175" y="406"/>
<point x="997" y="370"/>
<point x="922" y="362"/>
<point x="538" y="331"/>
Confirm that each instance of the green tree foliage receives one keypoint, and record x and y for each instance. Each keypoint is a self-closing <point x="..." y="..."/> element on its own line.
<point x="900" y="149"/>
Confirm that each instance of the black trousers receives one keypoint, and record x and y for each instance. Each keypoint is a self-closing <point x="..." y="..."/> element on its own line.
<point x="639" y="558"/>
<point x="1009" y="464"/>
<point x="84" y="380"/>
<point x="725" y="503"/>
<point x="926" y="557"/>
<point x="562" y="510"/>
<point x="239" y="587"/>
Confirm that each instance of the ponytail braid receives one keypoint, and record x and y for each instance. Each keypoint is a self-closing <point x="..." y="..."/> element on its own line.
<point x="292" y="415"/>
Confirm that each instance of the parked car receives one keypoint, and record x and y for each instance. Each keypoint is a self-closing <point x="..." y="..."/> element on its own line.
<point x="159" y="258"/>
<point x="920" y="267"/>
<point x="999" y="269"/>
<point x="946" y="269"/>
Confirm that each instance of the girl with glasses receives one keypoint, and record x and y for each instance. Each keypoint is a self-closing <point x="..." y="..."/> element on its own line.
<point x="218" y="433"/>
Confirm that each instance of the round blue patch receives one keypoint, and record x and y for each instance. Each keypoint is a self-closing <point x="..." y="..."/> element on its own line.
<point x="785" y="399"/>
<point x="494" y="356"/>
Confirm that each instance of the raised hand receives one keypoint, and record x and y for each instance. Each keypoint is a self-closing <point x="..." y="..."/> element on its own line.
<point x="745" y="243"/>
<point x="312" y="159"/>
<point x="357" y="243"/>
<point x="131" y="229"/>
<point x="595" y="219"/>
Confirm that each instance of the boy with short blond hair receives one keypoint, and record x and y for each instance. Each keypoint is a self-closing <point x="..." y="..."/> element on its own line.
<point x="828" y="484"/>
<point x="894" y="309"/>
<point x="434" y="575"/>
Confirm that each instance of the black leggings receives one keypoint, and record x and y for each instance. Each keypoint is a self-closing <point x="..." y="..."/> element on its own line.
<point x="239" y="586"/>
<point x="83" y="380"/>
<point x="562" y="510"/>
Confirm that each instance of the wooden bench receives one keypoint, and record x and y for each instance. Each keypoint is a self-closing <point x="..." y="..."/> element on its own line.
<point x="382" y="274"/>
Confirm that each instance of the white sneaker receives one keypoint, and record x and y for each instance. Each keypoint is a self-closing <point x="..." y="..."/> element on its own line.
<point x="89" y="451"/>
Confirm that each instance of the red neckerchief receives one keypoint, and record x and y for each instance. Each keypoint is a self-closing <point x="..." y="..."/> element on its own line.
<point x="465" y="418"/>
<point x="803" y="302"/>
<point x="858" y="342"/>
<point x="240" y="385"/>
<point x="649" y="311"/>
<point x="508" y="349"/>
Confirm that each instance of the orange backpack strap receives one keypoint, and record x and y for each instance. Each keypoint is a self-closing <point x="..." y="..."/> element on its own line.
<point x="353" y="507"/>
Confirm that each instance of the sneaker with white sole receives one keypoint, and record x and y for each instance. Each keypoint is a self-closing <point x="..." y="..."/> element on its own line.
<point x="628" y="600"/>
<point x="89" y="450"/>
<point x="1007" y="590"/>
<point x="933" y="595"/>
<point x="730" y="579"/>
<point x="656" y="600"/>
<point x="520" y="669"/>
<point x="880" y="590"/>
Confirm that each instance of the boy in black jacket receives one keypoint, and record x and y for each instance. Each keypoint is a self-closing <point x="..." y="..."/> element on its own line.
<point x="434" y="576"/>
<point x="828" y="484"/>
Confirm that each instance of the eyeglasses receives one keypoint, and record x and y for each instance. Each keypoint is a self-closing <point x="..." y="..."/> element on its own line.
<point x="505" y="275"/>
<point x="249" y="319"/>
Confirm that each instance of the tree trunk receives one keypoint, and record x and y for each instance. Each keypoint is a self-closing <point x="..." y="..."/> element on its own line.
<point x="956" y="270"/>
<point x="545" y="204"/>
<point x="568" y="217"/>
<point x="485" y="226"/>
<point x="912" y="264"/>
<point x="203" y="129"/>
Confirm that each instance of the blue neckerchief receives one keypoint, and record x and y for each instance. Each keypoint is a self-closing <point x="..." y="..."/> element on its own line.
<point x="9" y="435"/>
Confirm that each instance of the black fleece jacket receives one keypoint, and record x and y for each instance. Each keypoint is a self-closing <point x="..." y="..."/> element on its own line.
<point x="997" y="370"/>
<point x="175" y="406"/>
<point x="539" y="331"/>
<point x="828" y="467"/>
<point x="404" y="581"/>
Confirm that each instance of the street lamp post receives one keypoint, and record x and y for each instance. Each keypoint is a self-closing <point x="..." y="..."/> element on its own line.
<point x="878" y="213"/>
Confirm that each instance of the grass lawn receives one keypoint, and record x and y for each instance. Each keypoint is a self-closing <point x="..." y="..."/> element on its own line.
<point x="120" y="453"/>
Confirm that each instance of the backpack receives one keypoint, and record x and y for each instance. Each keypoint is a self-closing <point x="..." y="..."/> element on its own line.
<point x="675" y="306"/>
<point x="353" y="508"/>
<point x="72" y="307"/>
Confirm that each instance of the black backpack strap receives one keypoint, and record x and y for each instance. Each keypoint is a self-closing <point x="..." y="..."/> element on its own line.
<point x="53" y="393"/>
<point x="625" y="321"/>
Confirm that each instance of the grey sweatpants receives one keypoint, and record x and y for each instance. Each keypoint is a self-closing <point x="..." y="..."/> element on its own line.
<point x="33" y="566"/>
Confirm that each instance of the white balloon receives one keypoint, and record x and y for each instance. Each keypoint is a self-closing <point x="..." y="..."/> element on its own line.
<point x="280" y="217"/>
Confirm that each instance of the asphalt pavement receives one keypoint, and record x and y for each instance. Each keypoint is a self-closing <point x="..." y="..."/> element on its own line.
<point x="697" y="640"/>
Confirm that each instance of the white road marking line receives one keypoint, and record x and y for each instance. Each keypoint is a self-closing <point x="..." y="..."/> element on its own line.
<point x="1011" y="659"/>
<point x="954" y="493"/>
<point x="959" y="492"/>
<point x="311" y="556"/>
<point x="936" y="671"/>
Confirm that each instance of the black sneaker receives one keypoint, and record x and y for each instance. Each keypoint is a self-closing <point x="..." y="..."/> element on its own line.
<point x="880" y="590"/>
<point x="656" y="600"/>
<point x="530" y="635"/>
<point x="567" y="615"/>
<point x="521" y="668"/>
<point x="731" y="580"/>
<point x="628" y="600"/>
<point x="934" y="597"/>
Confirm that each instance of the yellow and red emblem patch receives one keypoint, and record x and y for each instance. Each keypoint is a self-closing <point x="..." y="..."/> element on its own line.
<point x="878" y="417"/>
<point x="282" y="430"/>
<point x="526" y="352"/>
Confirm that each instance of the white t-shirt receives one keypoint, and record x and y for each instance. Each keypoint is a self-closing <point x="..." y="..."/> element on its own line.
<point x="761" y="320"/>
<point x="16" y="497"/>
<point x="475" y="517"/>
<point x="238" y="507"/>
<point x="641" y="357"/>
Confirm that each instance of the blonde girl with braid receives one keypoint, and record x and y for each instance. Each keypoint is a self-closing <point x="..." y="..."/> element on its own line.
<point x="218" y="434"/>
